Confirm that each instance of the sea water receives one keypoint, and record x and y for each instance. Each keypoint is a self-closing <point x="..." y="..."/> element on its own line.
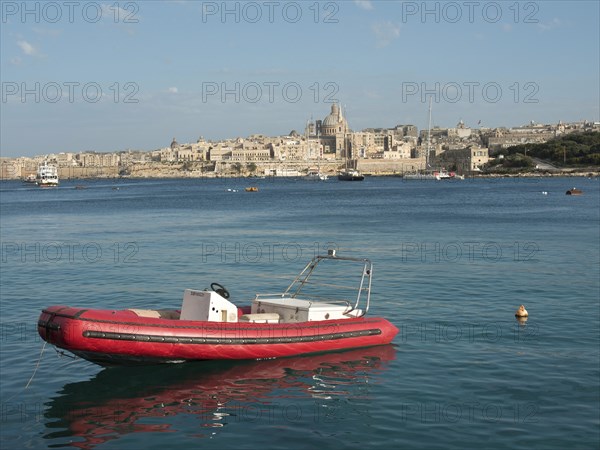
<point x="452" y="263"/>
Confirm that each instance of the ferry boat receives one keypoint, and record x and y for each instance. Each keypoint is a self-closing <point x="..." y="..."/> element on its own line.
<point x="210" y="327"/>
<point x="47" y="175"/>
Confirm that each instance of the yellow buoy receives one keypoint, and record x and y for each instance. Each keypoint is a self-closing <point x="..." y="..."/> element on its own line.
<point x="521" y="312"/>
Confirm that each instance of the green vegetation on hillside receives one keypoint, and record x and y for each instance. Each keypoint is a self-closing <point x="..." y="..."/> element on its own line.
<point x="570" y="151"/>
<point x="511" y="163"/>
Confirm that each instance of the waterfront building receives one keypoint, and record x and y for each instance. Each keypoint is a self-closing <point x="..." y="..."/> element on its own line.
<point x="221" y="151"/>
<point x="464" y="160"/>
<point x="252" y="151"/>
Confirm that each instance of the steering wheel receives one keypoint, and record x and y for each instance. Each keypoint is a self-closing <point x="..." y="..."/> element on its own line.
<point x="220" y="289"/>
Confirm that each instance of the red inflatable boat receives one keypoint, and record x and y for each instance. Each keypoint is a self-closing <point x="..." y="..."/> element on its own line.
<point x="208" y="326"/>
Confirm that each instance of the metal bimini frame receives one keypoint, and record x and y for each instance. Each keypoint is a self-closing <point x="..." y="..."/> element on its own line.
<point x="302" y="279"/>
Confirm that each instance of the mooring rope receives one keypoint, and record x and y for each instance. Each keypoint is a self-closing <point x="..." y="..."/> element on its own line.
<point x="36" y="366"/>
<point x="32" y="375"/>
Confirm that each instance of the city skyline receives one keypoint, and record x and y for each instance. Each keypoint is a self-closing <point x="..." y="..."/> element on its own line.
<point x="105" y="77"/>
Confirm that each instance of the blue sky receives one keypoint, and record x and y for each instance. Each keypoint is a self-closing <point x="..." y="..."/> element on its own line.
<point x="116" y="75"/>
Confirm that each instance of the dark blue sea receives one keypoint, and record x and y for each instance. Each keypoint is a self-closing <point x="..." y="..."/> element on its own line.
<point x="452" y="263"/>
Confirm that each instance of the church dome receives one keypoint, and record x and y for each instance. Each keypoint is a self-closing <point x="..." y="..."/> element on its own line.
<point x="334" y="122"/>
<point x="332" y="119"/>
<point x="174" y="144"/>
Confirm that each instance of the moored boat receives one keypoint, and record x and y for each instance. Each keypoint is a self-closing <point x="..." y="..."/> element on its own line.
<point x="316" y="175"/>
<point x="208" y="326"/>
<point x="350" y="175"/>
<point x="438" y="175"/>
<point x="430" y="174"/>
<point x="574" y="191"/>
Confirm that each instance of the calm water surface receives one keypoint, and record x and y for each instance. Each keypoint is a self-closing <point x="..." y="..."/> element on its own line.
<point x="452" y="263"/>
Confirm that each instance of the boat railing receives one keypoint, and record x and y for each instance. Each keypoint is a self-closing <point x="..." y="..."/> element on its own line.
<point x="320" y="290"/>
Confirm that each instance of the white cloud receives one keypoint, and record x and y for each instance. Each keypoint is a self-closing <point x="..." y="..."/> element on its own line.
<point x="364" y="4"/>
<point x="386" y="32"/>
<point x="554" y="23"/>
<point x="173" y="90"/>
<point x="27" y="48"/>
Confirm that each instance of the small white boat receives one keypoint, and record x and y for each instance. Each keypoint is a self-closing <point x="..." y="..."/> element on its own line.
<point x="433" y="175"/>
<point x="421" y="176"/>
<point x="47" y="175"/>
<point x="430" y="174"/>
<point x="316" y="175"/>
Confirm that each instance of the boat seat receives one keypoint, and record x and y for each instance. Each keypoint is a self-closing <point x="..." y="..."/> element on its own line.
<point x="292" y="310"/>
<point x="170" y="314"/>
<point x="260" y="318"/>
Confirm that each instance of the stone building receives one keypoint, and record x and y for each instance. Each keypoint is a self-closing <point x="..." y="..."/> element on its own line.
<point x="469" y="159"/>
<point x="501" y="138"/>
<point x="92" y="159"/>
<point x="252" y="151"/>
<point x="333" y="133"/>
<point x="177" y="152"/>
<point x="290" y="148"/>
<point x="221" y="151"/>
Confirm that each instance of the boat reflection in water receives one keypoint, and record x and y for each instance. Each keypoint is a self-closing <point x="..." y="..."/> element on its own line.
<point x="124" y="400"/>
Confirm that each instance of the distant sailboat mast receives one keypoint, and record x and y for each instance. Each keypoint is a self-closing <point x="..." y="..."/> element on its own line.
<point x="428" y="138"/>
<point x="309" y="153"/>
<point x="318" y="150"/>
<point x="310" y="173"/>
